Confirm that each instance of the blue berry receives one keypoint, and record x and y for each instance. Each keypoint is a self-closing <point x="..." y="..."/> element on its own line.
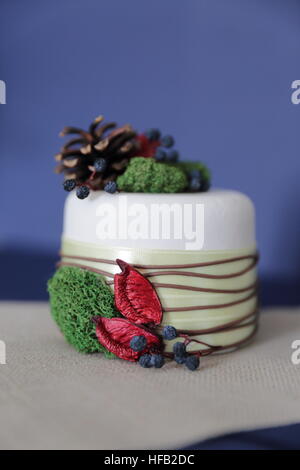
<point x="180" y="359"/>
<point x="157" y="360"/>
<point x="173" y="156"/>
<point x="179" y="349"/>
<point x="69" y="185"/>
<point x="192" y="362"/>
<point x="100" y="165"/>
<point x="145" y="360"/>
<point x="160" y="155"/>
<point x="205" y="185"/>
<point x="82" y="192"/>
<point x="195" y="184"/>
<point x="110" y="187"/>
<point x="138" y="343"/>
<point x="167" y="141"/>
<point x="169" y="332"/>
<point x="153" y="134"/>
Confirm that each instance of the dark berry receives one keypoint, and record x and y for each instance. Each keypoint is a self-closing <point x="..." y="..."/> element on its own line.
<point x="169" y="332"/>
<point x="160" y="155"/>
<point x="100" y="165"/>
<point x="195" y="174"/>
<point x="173" y="156"/>
<point x="145" y="360"/>
<point x="192" y="362"/>
<point x="205" y="185"/>
<point x="153" y="134"/>
<point x="110" y="187"/>
<point x="82" y="192"/>
<point x="69" y="185"/>
<point x="179" y="349"/>
<point x="180" y="359"/>
<point x="138" y="343"/>
<point x="167" y="141"/>
<point x="195" y="184"/>
<point x="157" y="360"/>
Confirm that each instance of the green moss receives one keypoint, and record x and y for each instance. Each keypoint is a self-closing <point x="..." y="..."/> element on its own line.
<point x="145" y="175"/>
<point x="190" y="166"/>
<point x="76" y="295"/>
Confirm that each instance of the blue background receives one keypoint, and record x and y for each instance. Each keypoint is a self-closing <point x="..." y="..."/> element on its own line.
<point x="216" y="74"/>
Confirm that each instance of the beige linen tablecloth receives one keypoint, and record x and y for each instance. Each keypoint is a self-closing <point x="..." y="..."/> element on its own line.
<point x="52" y="397"/>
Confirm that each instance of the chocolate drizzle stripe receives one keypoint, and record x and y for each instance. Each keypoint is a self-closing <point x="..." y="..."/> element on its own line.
<point x="225" y="326"/>
<point x="83" y="266"/>
<point x="202" y="275"/>
<point x="205" y="289"/>
<point x="208" y="307"/>
<point x="199" y="289"/>
<point x="253" y="257"/>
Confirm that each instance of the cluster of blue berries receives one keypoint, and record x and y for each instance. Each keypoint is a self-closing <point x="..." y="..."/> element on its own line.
<point x="82" y="192"/>
<point x="191" y="361"/>
<point x="166" y="142"/>
<point x="138" y="344"/>
<point x="197" y="182"/>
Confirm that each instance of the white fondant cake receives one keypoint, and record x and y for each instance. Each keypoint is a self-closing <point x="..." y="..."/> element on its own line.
<point x="198" y="250"/>
<point x="228" y="222"/>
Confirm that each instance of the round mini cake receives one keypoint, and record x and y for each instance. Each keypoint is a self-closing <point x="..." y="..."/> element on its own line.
<point x="154" y="265"/>
<point x="209" y="293"/>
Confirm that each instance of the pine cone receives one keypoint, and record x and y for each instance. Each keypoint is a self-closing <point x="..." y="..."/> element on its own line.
<point x="97" y="156"/>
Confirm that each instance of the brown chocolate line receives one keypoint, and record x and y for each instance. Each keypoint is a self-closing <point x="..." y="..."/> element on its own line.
<point x="164" y="285"/>
<point x="207" y="307"/>
<point x="224" y="326"/>
<point x="254" y="257"/>
<point x="83" y="266"/>
<point x="213" y="348"/>
<point x="198" y="289"/>
<point x="202" y="275"/>
<point x="205" y="289"/>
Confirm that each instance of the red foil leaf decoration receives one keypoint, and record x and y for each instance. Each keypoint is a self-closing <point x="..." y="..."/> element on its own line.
<point x="115" y="335"/>
<point x="135" y="297"/>
<point x="147" y="148"/>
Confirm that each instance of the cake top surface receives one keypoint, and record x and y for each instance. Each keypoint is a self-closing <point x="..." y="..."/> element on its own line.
<point x="215" y="220"/>
<point x="114" y="159"/>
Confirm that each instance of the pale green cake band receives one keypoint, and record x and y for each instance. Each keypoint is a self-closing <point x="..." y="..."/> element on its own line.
<point x="174" y="298"/>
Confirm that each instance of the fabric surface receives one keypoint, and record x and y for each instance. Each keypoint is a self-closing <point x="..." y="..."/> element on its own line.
<point x="52" y="397"/>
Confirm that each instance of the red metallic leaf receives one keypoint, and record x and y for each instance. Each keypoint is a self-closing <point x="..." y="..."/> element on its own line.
<point x="115" y="335"/>
<point x="147" y="147"/>
<point x="135" y="296"/>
